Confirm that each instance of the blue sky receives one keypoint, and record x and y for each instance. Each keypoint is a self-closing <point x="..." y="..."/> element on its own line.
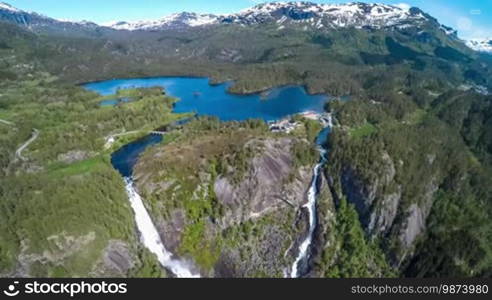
<point x="472" y="18"/>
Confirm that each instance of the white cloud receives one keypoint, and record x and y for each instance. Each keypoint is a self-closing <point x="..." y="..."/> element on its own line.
<point x="464" y="24"/>
<point x="475" y="12"/>
<point x="404" y="6"/>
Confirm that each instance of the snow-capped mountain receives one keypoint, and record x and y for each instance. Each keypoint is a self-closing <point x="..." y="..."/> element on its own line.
<point x="37" y="22"/>
<point x="283" y="13"/>
<point x="331" y="15"/>
<point x="481" y="45"/>
<point x="184" y="19"/>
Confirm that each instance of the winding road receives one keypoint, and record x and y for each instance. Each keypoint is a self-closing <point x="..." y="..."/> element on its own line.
<point x="18" y="152"/>
<point x="6" y="122"/>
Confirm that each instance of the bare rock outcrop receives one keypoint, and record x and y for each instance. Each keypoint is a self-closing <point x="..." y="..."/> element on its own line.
<point x="417" y="213"/>
<point x="377" y="209"/>
<point x="267" y="197"/>
<point x="117" y="260"/>
<point x="265" y="188"/>
<point x="385" y="209"/>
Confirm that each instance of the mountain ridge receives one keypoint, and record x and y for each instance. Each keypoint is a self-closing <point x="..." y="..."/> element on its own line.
<point x="40" y="23"/>
<point x="355" y="14"/>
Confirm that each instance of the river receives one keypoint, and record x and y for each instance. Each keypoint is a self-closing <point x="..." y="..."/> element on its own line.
<point x="198" y="96"/>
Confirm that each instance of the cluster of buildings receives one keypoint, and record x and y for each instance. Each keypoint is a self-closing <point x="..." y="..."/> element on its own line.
<point x="284" y="125"/>
<point x="288" y="124"/>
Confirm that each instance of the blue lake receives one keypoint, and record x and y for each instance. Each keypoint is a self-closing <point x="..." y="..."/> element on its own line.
<point x="197" y="95"/>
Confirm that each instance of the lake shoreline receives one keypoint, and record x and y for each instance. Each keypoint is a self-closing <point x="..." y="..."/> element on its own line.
<point x="212" y="82"/>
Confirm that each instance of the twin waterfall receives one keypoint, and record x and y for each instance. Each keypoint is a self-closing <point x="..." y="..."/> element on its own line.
<point x="152" y="241"/>
<point x="150" y="236"/>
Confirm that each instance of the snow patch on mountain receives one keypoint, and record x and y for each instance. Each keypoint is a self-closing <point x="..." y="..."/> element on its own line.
<point x="319" y="15"/>
<point x="172" y="21"/>
<point x="8" y="7"/>
<point x="332" y="15"/>
<point x="481" y="45"/>
<point x="28" y="18"/>
<point x="449" y="30"/>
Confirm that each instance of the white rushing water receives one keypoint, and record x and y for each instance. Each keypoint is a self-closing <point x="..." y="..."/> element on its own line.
<point x="150" y="237"/>
<point x="311" y="207"/>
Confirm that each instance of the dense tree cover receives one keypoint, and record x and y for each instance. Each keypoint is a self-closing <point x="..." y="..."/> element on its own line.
<point x="60" y="210"/>
<point x="436" y="144"/>
<point x="459" y="237"/>
<point x="53" y="218"/>
<point x="471" y="115"/>
<point x="352" y="255"/>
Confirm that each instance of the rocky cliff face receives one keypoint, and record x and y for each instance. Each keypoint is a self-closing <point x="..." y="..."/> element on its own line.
<point x="266" y="192"/>
<point x="244" y="225"/>
<point x="376" y="208"/>
<point x="386" y="207"/>
<point x="264" y="189"/>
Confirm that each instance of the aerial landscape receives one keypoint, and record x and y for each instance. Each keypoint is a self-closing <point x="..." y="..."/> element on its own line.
<point x="275" y="140"/>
